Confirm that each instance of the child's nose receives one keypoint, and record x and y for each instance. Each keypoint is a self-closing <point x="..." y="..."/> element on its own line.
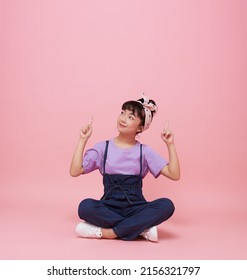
<point x="123" y="119"/>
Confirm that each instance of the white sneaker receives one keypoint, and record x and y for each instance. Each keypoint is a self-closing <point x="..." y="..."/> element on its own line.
<point x="150" y="234"/>
<point x="87" y="230"/>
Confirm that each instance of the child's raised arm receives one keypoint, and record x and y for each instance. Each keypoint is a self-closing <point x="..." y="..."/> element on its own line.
<point x="172" y="170"/>
<point x="76" y="167"/>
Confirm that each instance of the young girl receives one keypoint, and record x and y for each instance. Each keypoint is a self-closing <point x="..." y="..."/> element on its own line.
<point x="123" y="212"/>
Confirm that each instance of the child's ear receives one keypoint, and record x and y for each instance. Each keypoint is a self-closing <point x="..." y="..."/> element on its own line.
<point x="140" y="129"/>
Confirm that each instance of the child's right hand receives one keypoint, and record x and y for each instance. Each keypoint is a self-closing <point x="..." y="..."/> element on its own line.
<point x="86" y="131"/>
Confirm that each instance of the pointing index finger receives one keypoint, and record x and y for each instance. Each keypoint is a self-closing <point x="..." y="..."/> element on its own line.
<point x="166" y="125"/>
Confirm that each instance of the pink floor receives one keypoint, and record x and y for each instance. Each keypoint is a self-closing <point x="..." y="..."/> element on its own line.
<point x="38" y="220"/>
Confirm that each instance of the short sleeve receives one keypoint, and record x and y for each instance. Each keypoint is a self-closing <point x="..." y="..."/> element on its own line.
<point x="154" y="162"/>
<point x="93" y="158"/>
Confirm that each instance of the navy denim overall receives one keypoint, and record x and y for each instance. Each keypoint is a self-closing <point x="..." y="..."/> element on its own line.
<point x="123" y="206"/>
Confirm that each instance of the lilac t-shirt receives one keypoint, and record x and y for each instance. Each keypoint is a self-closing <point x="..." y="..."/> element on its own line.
<point x="123" y="160"/>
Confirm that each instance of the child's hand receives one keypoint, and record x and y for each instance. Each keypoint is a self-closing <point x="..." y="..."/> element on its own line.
<point x="86" y="131"/>
<point x="167" y="135"/>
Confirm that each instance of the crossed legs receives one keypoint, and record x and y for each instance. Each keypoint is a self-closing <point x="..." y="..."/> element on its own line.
<point x="123" y="221"/>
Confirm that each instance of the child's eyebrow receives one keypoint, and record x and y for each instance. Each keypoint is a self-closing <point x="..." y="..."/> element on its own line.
<point x="129" y="112"/>
<point x="132" y="114"/>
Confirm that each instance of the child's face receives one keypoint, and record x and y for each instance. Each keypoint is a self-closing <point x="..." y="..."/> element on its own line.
<point x="129" y="123"/>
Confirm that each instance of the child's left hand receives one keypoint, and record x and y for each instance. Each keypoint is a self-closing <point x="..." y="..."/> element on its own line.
<point x="167" y="135"/>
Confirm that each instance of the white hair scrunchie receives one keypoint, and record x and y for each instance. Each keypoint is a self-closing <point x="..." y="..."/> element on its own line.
<point x="149" y="107"/>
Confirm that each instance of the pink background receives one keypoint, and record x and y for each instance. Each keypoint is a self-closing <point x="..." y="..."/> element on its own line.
<point x="65" y="61"/>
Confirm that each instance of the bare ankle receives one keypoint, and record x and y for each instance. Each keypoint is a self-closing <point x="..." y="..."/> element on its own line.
<point x="108" y="233"/>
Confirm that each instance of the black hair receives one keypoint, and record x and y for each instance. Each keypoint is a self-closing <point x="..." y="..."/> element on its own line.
<point x="137" y="108"/>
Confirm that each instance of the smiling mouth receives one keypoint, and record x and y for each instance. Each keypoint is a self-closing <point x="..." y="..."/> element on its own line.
<point x="122" y="125"/>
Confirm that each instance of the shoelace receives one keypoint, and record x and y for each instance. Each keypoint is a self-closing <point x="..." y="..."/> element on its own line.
<point x="94" y="230"/>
